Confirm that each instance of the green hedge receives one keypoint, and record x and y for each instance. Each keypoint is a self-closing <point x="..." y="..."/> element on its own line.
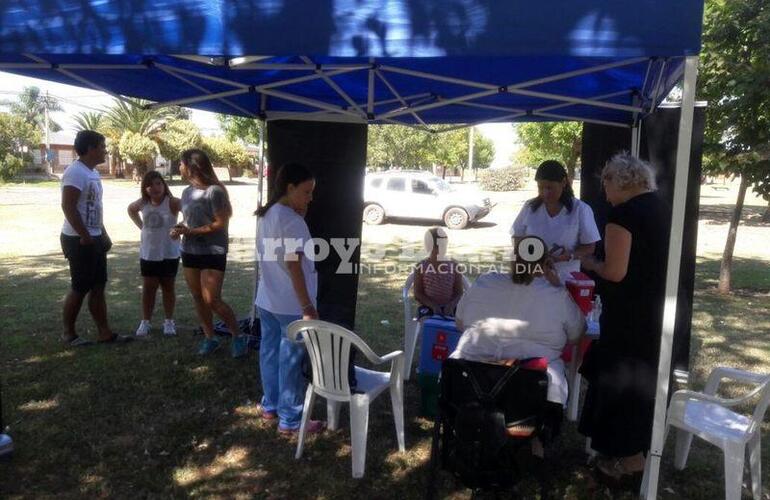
<point x="502" y="179"/>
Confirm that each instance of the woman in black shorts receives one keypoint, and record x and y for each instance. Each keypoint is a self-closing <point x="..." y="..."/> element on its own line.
<point x="206" y="209"/>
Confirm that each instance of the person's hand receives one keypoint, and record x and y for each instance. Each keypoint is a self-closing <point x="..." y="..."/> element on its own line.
<point x="178" y="231"/>
<point x="589" y="262"/>
<point x="309" y="313"/>
<point x="86" y="240"/>
<point x="550" y="274"/>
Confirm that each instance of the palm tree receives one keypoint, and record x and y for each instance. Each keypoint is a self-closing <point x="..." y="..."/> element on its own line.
<point x="86" y="120"/>
<point x="133" y="115"/>
<point x="31" y="107"/>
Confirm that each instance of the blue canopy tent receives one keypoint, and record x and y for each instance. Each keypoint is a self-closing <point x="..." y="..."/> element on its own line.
<point x="414" y="62"/>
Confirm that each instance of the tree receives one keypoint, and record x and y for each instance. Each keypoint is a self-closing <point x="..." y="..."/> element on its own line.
<point x="735" y="78"/>
<point x="240" y="128"/>
<point x="17" y="139"/>
<point x="90" y="120"/>
<point x="176" y="137"/>
<point x="542" y="141"/>
<point x="225" y="153"/>
<point x="31" y="106"/>
<point x="139" y="150"/>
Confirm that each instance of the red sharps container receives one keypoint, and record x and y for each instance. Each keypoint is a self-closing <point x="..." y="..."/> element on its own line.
<point x="582" y="289"/>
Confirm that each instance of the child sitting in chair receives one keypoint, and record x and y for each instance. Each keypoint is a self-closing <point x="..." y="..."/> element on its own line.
<point x="438" y="285"/>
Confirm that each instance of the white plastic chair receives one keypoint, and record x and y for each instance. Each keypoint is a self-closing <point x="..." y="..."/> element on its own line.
<point x="412" y="327"/>
<point x="708" y="416"/>
<point x="328" y="346"/>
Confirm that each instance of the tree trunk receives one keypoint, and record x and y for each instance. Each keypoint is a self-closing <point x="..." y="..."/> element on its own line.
<point x="726" y="269"/>
<point x="766" y="215"/>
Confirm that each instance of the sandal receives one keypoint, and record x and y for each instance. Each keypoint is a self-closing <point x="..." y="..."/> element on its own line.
<point x="116" y="339"/>
<point x="614" y="474"/>
<point x="313" y="427"/>
<point x="266" y="416"/>
<point x="76" y="341"/>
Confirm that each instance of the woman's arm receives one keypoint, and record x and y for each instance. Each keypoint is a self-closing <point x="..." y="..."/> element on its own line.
<point x="219" y="223"/>
<point x="133" y="212"/>
<point x="617" y="250"/>
<point x="298" y="283"/>
<point x="175" y="205"/>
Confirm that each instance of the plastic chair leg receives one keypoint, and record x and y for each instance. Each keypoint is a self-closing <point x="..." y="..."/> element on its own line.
<point x="755" y="462"/>
<point x="309" y="397"/>
<point x="682" y="448"/>
<point x="359" y="428"/>
<point x="733" y="471"/>
<point x="410" y="345"/>
<point x="332" y="414"/>
<point x="397" y="400"/>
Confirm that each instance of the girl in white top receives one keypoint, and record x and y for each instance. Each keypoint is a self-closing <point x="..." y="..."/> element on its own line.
<point x="563" y="222"/>
<point x="158" y="253"/>
<point x="286" y="292"/>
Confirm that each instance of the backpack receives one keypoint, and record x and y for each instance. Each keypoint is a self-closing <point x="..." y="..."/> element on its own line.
<point x="479" y="445"/>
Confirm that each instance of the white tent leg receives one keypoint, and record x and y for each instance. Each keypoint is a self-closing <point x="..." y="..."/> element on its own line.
<point x="649" y="488"/>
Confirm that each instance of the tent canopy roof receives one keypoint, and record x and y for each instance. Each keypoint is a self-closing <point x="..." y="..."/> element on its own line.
<point x="377" y="61"/>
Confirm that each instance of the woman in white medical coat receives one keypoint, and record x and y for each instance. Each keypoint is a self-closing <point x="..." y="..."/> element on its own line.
<point x="563" y="222"/>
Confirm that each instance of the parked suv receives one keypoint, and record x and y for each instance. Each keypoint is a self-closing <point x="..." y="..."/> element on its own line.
<point x="419" y="195"/>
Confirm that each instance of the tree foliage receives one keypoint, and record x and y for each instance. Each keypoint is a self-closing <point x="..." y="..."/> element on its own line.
<point x="176" y="137"/>
<point x="137" y="149"/>
<point x="17" y="140"/>
<point x="31" y="105"/>
<point x="735" y="80"/>
<point x="542" y="141"/>
<point x="396" y="146"/>
<point x="240" y="128"/>
<point x="90" y="120"/>
<point x="225" y="153"/>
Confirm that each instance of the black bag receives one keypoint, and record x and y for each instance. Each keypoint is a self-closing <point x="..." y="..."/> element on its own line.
<point x="478" y="404"/>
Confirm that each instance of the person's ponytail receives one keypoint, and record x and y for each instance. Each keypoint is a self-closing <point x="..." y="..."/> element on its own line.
<point x="290" y="173"/>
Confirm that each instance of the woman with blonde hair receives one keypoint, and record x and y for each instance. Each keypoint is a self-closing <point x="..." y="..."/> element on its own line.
<point x="206" y="209"/>
<point x="621" y="367"/>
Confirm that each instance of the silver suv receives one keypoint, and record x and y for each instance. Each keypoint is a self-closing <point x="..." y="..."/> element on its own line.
<point x="419" y="195"/>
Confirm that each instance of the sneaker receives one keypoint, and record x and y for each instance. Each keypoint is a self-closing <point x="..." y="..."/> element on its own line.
<point x="313" y="427"/>
<point x="239" y="346"/>
<point x="169" y="328"/>
<point x="144" y="328"/>
<point x="208" y="346"/>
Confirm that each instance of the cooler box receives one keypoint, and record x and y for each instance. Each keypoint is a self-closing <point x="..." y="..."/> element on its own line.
<point x="439" y="339"/>
<point x="581" y="287"/>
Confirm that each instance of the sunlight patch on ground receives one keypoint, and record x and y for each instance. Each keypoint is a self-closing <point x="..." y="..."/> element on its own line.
<point x="233" y="458"/>
<point x="40" y="405"/>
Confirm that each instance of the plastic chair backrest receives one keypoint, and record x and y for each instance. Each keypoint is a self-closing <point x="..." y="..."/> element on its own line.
<point x="328" y="346"/>
<point x="761" y="408"/>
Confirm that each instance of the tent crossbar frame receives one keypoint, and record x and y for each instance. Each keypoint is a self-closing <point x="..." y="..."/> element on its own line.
<point x="331" y="83"/>
<point x="204" y="89"/>
<point x="398" y="96"/>
<point x="308" y="102"/>
<point x="517" y="88"/>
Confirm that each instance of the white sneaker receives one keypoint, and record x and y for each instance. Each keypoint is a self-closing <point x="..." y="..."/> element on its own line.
<point x="144" y="328"/>
<point x="169" y="328"/>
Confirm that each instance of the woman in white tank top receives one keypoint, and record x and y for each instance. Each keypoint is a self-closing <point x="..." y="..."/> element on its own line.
<point x="158" y="253"/>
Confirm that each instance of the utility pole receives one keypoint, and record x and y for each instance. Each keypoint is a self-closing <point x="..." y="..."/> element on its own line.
<point x="470" y="150"/>
<point x="48" y="166"/>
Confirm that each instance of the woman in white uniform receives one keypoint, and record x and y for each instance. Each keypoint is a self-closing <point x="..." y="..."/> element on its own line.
<point x="563" y="222"/>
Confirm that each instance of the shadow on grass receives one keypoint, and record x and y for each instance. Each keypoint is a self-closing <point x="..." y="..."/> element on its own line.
<point x="751" y="216"/>
<point x="153" y="419"/>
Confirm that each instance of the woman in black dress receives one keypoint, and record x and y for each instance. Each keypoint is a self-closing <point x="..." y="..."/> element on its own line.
<point x="622" y="366"/>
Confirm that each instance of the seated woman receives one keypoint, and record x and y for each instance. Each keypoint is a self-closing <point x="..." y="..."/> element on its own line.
<point x="438" y="285"/>
<point x="521" y="315"/>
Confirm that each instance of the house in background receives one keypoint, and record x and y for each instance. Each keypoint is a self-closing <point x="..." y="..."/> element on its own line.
<point x="62" y="153"/>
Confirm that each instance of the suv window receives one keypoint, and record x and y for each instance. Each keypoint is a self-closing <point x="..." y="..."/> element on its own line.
<point x="421" y="187"/>
<point x="396" y="184"/>
<point x="376" y="182"/>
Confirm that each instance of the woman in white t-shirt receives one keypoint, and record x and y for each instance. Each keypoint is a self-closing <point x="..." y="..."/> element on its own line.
<point x="563" y="222"/>
<point x="286" y="292"/>
<point x="155" y="213"/>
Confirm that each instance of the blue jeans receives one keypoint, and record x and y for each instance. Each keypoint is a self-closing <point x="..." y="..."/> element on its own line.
<point x="280" y="365"/>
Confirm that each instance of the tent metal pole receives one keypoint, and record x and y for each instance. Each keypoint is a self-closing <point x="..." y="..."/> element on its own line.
<point x="503" y="118"/>
<point x="199" y="98"/>
<point x="634" y="142"/>
<point x="439" y="104"/>
<point x="398" y="96"/>
<point x="331" y="83"/>
<point x="308" y="102"/>
<point x="204" y="89"/>
<point x="370" y="90"/>
<point x="416" y="127"/>
<point x="658" y="82"/>
<point x="649" y="488"/>
<point x="296" y="67"/>
<point x="587" y="120"/>
<point x="575" y="100"/>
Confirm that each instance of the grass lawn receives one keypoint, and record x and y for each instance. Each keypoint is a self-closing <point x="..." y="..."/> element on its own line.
<point x="152" y="419"/>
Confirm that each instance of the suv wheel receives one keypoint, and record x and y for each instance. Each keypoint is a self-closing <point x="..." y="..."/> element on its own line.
<point x="374" y="214"/>
<point x="456" y="218"/>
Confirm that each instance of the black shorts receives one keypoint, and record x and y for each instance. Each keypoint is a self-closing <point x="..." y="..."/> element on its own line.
<point x="217" y="262"/>
<point x="166" y="268"/>
<point x="88" y="263"/>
